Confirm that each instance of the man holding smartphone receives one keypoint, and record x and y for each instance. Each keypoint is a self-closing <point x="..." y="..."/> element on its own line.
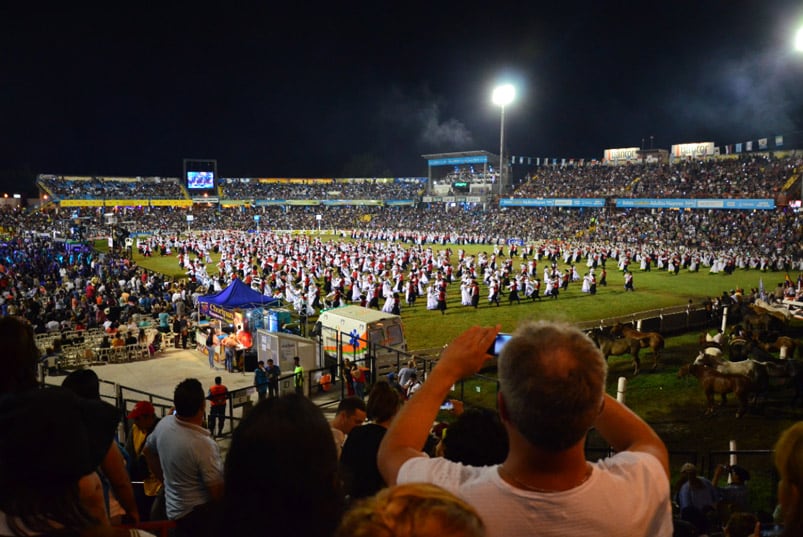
<point x="552" y="391"/>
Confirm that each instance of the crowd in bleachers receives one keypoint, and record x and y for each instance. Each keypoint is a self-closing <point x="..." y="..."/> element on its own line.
<point x="773" y="234"/>
<point x="357" y="189"/>
<point x="753" y="176"/>
<point x="109" y="188"/>
<point x="749" y="177"/>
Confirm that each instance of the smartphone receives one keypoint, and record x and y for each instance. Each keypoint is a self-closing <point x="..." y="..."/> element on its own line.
<point x="499" y="342"/>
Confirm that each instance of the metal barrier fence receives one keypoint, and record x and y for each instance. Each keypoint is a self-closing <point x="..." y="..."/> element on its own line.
<point x="674" y="320"/>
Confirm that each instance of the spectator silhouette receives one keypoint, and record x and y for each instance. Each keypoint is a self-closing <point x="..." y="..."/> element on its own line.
<point x="358" y="460"/>
<point x="476" y="438"/>
<point x="86" y="385"/>
<point x="281" y="472"/>
<point x="789" y="463"/>
<point x="20" y="356"/>
<point x="47" y="488"/>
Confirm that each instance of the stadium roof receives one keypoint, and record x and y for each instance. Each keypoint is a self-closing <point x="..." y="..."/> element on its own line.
<point x="461" y="154"/>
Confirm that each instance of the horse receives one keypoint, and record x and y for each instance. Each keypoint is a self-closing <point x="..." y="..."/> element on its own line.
<point x="714" y="382"/>
<point x="781" y="343"/>
<point x="739" y="348"/>
<point x="610" y="345"/>
<point x="754" y="320"/>
<point x="757" y="371"/>
<point x="714" y="351"/>
<point x="708" y="340"/>
<point x="653" y="340"/>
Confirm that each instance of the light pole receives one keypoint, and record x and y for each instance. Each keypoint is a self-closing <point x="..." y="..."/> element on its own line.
<point x="502" y="96"/>
<point x="799" y="48"/>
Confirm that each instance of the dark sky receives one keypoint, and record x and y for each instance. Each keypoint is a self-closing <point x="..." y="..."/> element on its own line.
<point x="335" y="89"/>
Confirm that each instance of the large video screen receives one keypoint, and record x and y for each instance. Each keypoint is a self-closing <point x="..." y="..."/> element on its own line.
<point x="200" y="180"/>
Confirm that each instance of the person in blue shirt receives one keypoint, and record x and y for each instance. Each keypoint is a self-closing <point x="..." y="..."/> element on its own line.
<point x="273" y="373"/>
<point x="261" y="380"/>
<point x="696" y="497"/>
<point x="164" y="322"/>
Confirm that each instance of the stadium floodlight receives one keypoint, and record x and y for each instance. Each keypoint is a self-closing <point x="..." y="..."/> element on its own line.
<point x="502" y="96"/>
<point x="799" y="48"/>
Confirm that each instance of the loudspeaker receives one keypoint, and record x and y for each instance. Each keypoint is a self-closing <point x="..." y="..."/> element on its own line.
<point x="250" y="361"/>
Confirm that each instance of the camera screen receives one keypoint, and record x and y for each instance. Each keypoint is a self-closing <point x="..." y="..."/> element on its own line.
<point x="500" y="341"/>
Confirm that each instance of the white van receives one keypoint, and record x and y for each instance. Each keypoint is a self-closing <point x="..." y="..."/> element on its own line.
<point x="353" y="326"/>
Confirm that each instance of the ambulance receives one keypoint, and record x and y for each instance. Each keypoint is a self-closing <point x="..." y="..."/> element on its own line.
<point x="355" y="326"/>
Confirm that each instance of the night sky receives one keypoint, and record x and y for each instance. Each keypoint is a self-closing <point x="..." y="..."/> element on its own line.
<point x="354" y="89"/>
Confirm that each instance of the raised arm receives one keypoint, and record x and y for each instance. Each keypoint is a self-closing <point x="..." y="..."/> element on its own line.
<point x="113" y="466"/>
<point x="154" y="464"/>
<point x="408" y="432"/>
<point x="625" y="431"/>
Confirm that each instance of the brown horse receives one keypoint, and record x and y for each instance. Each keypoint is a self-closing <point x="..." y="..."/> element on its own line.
<point x="782" y="342"/>
<point x="714" y="382"/>
<point x="653" y="340"/>
<point x="610" y="345"/>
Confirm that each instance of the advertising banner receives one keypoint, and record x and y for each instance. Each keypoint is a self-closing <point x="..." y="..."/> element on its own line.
<point x="456" y="161"/>
<point x="622" y="154"/>
<point x="81" y="203"/>
<point x="552" y="202"/>
<point x="352" y="202"/>
<point x="683" y="203"/>
<point x="171" y="203"/>
<point x="693" y="150"/>
<point x="126" y="203"/>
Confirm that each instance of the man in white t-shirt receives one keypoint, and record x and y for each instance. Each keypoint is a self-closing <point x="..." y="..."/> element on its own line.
<point x="351" y="413"/>
<point x="552" y="391"/>
<point x="182" y="454"/>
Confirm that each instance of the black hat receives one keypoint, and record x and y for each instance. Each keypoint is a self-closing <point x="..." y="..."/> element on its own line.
<point x="52" y="438"/>
<point x="743" y="474"/>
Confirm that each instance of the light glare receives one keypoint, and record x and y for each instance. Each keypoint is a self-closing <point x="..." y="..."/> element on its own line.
<point x="503" y="95"/>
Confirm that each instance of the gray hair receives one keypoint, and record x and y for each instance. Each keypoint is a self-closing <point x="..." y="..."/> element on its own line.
<point x="552" y="380"/>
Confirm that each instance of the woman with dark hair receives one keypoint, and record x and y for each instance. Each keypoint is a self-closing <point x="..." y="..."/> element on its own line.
<point x="142" y="338"/>
<point x="86" y="385"/>
<point x="358" y="460"/>
<point x="20" y="356"/>
<point x="283" y="462"/>
<point x="53" y="489"/>
<point x="476" y="438"/>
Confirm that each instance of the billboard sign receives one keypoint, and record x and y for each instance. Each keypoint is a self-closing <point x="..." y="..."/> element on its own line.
<point x="693" y="150"/>
<point x="622" y="154"/>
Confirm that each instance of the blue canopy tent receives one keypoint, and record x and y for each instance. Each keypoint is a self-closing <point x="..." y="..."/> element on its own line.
<point x="242" y="309"/>
<point x="237" y="296"/>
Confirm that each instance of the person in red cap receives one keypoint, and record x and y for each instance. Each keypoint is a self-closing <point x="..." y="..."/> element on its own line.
<point x="144" y="419"/>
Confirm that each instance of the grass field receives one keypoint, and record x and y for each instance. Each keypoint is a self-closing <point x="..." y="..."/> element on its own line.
<point x="674" y="407"/>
